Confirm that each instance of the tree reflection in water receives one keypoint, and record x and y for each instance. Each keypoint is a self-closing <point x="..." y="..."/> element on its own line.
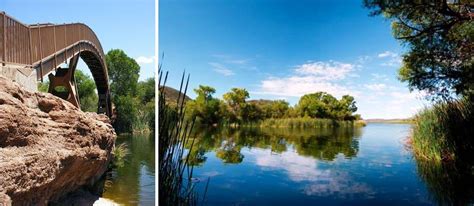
<point x="323" y="144"/>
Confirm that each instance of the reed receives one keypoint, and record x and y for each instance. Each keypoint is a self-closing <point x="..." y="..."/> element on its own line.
<point x="443" y="133"/>
<point x="307" y="122"/>
<point x="175" y="173"/>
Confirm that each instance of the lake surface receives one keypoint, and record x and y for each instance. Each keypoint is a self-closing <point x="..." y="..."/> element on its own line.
<point x="134" y="182"/>
<point x="356" y="166"/>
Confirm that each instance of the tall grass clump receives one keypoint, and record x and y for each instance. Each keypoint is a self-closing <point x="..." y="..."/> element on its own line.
<point x="444" y="132"/>
<point x="175" y="185"/>
<point x="307" y="122"/>
<point x="119" y="153"/>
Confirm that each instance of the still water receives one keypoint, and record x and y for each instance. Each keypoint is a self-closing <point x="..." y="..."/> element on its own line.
<point x="356" y="166"/>
<point x="133" y="183"/>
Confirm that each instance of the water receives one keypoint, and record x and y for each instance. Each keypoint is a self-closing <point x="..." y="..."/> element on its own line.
<point x="363" y="166"/>
<point x="134" y="182"/>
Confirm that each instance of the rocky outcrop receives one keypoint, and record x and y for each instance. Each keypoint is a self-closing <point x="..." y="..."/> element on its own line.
<point x="48" y="147"/>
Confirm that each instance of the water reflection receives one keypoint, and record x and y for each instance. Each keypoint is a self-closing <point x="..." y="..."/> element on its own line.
<point x="262" y="166"/>
<point x="448" y="184"/>
<point x="323" y="144"/>
<point x="134" y="182"/>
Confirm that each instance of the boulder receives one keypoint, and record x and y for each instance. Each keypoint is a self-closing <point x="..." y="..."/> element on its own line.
<point x="48" y="147"/>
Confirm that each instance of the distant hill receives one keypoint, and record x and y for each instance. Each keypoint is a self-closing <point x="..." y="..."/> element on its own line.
<point x="172" y="95"/>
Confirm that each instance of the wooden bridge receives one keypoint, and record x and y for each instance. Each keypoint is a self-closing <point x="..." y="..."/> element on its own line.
<point x="30" y="52"/>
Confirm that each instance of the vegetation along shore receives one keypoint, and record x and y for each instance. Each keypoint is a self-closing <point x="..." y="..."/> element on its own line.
<point x="315" y="110"/>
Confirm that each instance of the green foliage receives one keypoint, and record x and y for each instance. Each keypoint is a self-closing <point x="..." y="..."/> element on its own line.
<point x="318" y="143"/>
<point x="272" y="109"/>
<point x="127" y="113"/>
<point x="146" y="90"/>
<point x="306" y="122"/>
<point x="235" y="110"/>
<point x="176" y="187"/>
<point x="205" y="108"/>
<point x="235" y="100"/>
<point x="133" y="100"/>
<point x="119" y="154"/>
<point x="87" y="91"/>
<point x="439" y="36"/>
<point x="43" y="86"/>
<point x="123" y="73"/>
<point x="324" y="105"/>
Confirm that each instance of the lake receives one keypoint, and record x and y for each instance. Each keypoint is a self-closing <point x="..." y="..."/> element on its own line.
<point x="357" y="166"/>
<point x="134" y="182"/>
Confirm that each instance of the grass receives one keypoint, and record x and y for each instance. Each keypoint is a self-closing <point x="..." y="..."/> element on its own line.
<point x="443" y="133"/>
<point x="175" y="173"/>
<point x="119" y="153"/>
<point x="306" y="122"/>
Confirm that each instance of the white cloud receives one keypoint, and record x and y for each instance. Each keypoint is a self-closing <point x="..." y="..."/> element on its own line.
<point x="325" y="70"/>
<point x="221" y="69"/>
<point x="145" y="60"/>
<point x="387" y="54"/>
<point x="299" y="168"/>
<point x="394" y="59"/>
<point x="308" y="78"/>
<point x="317" y="181"/>
<point x="376" y="87"/>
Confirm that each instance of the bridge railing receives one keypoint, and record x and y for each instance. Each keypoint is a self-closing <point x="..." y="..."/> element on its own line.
<point x="30" y="44"/>
<point x="14" y="41"/>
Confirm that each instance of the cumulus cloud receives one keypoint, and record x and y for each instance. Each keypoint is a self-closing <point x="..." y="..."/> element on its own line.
<point x="308" y="78"/>
<point x="221" y="69"/>
<point x="145" y="60"/>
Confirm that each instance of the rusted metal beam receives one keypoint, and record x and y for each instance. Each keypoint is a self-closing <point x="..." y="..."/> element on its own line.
<point x="42" y="47"/>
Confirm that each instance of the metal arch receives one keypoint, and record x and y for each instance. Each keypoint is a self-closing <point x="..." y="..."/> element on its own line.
<point x="44" y="47"/>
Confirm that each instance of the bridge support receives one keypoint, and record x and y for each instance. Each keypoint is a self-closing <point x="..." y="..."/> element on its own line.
<point x="63" y="83"/>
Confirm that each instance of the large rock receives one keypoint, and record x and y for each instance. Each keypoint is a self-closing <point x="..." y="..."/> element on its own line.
<point x="48" y="147"/>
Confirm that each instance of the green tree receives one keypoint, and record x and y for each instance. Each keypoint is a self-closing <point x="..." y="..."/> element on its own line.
<point x="316" y="105"/>
<point x="235" y="100"/>
<point x="146" y="90"/>
<point x="87" y="92"/>
<point x="324" y="105"/>
<point x="126" y="111"/>
<point x="347" y="106"/>
<point x="123" y="77"/>
<point x="205" y="107"/>
<point x="439" y="36"/>
<point x="146" y="112"/>
<point x="250" y="112"/>
<point x="123" y="73"/>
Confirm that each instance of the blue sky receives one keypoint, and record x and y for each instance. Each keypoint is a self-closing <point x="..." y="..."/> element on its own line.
<point x="282" y="49"/>
<point x="119" y="24"/>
